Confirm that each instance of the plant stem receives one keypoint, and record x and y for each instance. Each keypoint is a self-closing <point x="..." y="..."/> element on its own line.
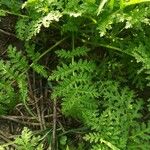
<point x="51" y="48"/>
<point x="12" y="13"/>
<point x="73" y="46"/>
<point x="107" y="46"/>
<point x="53" y="146"/>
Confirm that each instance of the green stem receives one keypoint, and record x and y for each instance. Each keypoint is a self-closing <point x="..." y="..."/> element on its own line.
<point x="73" y="46"/>
<point x="44" y="53"/>
<point x="13" y="13"/>
<point x="101" y="5"/>
<point x="51" y="48"/>
<point x="79" y="130"/>
<point x="107" y="46"/>
<point x="109" y="144"/>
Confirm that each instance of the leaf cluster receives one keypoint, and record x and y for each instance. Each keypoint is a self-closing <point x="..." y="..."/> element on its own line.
<point x="14" y="74"/>
<point x="74" y="83"/>
<point x="117" y="126"/>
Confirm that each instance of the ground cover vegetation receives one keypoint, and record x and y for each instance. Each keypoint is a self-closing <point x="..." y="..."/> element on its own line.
<point x="75" y="74"/>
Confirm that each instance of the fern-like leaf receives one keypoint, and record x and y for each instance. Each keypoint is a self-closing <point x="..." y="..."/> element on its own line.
<point x="27" y="141"/>
<point x="12" y="74"/>
<point x="66" y="70"/>
<point x="113" y="128"/>
<point x="70" y="83"/>
<point x="140" y="137"/>
<point x="80" y="51"/>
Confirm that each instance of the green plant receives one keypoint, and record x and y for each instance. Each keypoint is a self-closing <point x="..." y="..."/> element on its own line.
<point x="99" y="75"/>
<point x="14" y="73"/>
<point x="117" y="126"/>
<point x="11" y="78"/>
<point x="27" y="141"/>
<point x="75" y="85"/>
